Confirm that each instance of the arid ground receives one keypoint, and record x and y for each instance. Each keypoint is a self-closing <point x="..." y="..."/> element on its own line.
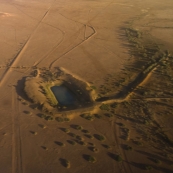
<point x="123" y="51"/>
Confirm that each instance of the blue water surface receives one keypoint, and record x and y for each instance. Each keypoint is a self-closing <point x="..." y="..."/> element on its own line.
<point x="63" y="95"/>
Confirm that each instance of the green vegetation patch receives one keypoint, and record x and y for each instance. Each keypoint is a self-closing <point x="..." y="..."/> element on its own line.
<point x="87" y="116"/>
<point x="49" y="94"/>
<point x="91" y="159"/>
<point x="105" y="107"/>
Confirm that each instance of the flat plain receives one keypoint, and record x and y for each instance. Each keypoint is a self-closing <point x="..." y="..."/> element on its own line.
<point x="119" y="52"/>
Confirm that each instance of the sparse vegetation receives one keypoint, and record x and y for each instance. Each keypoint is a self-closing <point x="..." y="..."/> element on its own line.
<point x="87" y="116"/>
<point x="28" y="112"/>
<point x="60" y="143"/>
<point x="49" y="118"/>
<point x="108" y="115"/>
<point x="72" y="134"/>
<point x="66" y="130"/>
<point x="72" y="142"/>
<point x="127" y="147"/>
<point x="67" y="164"/>
<point x="126" y="132"/>
<point x="152" y="61"/>
<point x="157" y="161"/>
<point x="92" y="144"/>
<point x="67" y="119"/>
<point x="78" y="127"/>
<point x="97" y="116"/>
<point x="43" y="116"/>
<point x="83" y="143"/>
<point x="39" y="90"/>
<point x="105" y="107"/>
<point x="85" y="131"/>
<point x="59" y="119"/>
<point x="93" y="87"/>
<point x="118" y="158"/>
<point x="107" y="146"/>
<point x="25" y="103"/>
<point x="139" y="143"/>
<point x="42" y="126"/>
<point x="148" y="167"/>
<point x="94" y="149"/>
<point x="89" y="136"/>
<point x="100" y="137"/>
<point x="45" y="148"/>
<point x="91" y="159"/>
<point x="79" y="138"/>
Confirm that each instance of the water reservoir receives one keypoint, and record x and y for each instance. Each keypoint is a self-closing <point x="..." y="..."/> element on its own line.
<point x="63" y="95"/>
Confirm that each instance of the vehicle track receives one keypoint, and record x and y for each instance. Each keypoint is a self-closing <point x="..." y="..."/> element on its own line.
<point x="16" y="138"/>
<point x="85" y="39"/>
<point x="17" y="166"/>
<point x="18" y="56"/>
<point x="41" y="21"/>
<point x="50" y="52"/>
<point x="56" y="47"/>
<point x="51" y="64"/>
<point x="116" y="133"/>
<point x="141" y="78"/>
<point x="63" y="33"/>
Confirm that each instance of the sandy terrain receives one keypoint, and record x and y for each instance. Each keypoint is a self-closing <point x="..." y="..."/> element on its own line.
<point x="88" y="39"/>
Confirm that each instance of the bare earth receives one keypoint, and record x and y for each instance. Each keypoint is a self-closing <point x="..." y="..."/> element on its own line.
<point x="88" y="40"/>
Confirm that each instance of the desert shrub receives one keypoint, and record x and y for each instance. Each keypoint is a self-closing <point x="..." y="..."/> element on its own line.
<point x="35" y="133"/>
<point x="91" y="159"/>
<point x="100" y="137"/>
<point x="66" y="163"/>
<point x="43" y="116"/>
<point x="66" y="130"/>
<point x="146" y="122"/>
<point x="113" y="105"/>
<point x="82" y="143"/>
<point x="85" y="131"/>
<point x="118" y="158"/>
<point x="67" y="119"/>
<point x="105" y="107"/>
<point x="126" y="130"/>
<point x="108" y="115"/>
<point x="93" y="87"/>
<point x="49" y="118"/>
<point x="127" y="147"/>
<point x="45" y="148"/>
<point x="60" y="143"/>
<point x="138" y="143"/>
<point x="157" y="161"/>
<point x="97" y="116"/>
<point x="107" y="146"/>
<point x="28" y="112"/>
<point x="79" y="138"/>
<point x="89" y="136"/>
<point x="87" y="116"/>
<point x="72" y="142"/>
<point x="94" y="149"/>
<point x="78" y="127"/>
<point x="148" y="167"/>
<point x="121" y="124"/>
<point x="42" y="126"/>
<point x="59" y="119"/>
<point x="72" y="135"/>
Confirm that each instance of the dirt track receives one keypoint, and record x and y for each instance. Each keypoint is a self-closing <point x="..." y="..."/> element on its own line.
<point x="84" y="37"/>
